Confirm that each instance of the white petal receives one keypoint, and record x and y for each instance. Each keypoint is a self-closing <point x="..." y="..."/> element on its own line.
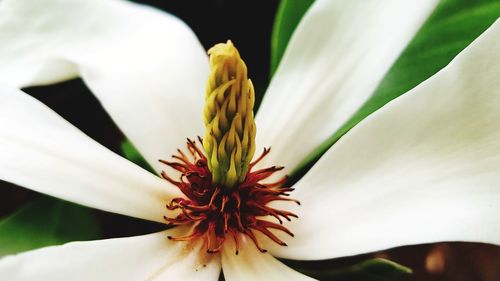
<point x="335" y="59"/>
<point x="424" y="168"/>
<point x="250" y="264"/>
<point x="148" y="257"/>
<point x="146" y="67"/>
<point x="41" y="151"/>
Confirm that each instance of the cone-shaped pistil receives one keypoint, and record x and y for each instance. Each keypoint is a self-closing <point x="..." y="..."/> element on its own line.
<point x="224" y="194"/>
<point x="229" y="141"/>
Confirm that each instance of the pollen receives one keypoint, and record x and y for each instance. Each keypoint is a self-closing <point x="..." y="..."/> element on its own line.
<point x="225" y="195"/>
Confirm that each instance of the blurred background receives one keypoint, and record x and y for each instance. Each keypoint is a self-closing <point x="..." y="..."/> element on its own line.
<point x="249" y="25"/>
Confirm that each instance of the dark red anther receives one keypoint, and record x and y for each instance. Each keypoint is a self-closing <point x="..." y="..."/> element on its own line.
<point x="216" y="213"/>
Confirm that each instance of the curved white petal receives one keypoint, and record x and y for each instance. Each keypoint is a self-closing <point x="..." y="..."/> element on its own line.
<point x="250" y="264"/>
<point x="422" y="169"/>
<point x="41" y="151"/>
<point x="146" y="67"/>
<point x="147" y="257"/>
<point x="335" y="59"/>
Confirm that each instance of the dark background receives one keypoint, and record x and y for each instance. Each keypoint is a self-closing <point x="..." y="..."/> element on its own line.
<point x="248" y="24"/>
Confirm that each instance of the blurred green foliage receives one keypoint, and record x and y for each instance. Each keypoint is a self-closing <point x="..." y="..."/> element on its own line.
<point x="370" y="270"/>
<point x="44" y="222"/>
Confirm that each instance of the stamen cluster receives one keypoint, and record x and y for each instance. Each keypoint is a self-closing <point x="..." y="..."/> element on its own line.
<point x="215" y="212"/>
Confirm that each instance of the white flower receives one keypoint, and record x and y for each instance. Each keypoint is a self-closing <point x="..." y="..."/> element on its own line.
<point x="422" y="169"/>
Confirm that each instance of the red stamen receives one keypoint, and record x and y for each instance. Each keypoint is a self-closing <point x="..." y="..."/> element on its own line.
<point x="216" y="212"/>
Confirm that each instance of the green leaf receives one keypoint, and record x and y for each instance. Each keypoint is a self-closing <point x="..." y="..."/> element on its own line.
<point x="131" y="153"/>
<point x="370" y="270"/>
<point x="453" y="25"/>
<point x="45" y="222"/>
<point x="287" y="18"/>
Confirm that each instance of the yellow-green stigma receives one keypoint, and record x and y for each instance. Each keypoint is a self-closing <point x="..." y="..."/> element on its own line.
<point x="229" y="140"/>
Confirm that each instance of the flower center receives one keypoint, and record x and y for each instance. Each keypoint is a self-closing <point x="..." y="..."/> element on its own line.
<point x="216" y="212"/>
<point x="224" y="195"/>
